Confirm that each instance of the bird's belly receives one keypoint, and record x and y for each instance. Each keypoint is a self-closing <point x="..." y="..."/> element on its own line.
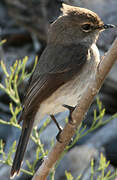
<point x="68" y="93"/>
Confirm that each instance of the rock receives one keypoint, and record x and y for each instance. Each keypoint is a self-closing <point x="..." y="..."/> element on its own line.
<point x="4" y="172"/>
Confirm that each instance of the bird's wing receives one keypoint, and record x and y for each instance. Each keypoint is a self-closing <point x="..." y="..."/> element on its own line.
<point x="56" y="66"/>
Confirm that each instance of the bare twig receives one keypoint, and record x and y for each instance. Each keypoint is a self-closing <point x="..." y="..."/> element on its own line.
<point x="78" y="114"/>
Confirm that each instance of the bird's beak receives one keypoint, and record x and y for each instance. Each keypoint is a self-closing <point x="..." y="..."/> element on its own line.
<point x="107" y="26"/>
<point x="102" y="27"/>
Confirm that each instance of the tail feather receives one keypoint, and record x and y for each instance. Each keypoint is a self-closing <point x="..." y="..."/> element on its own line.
<point x="23" y="141"/>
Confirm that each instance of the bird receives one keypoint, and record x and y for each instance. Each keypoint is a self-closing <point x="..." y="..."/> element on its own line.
<point x="64" y="70"/>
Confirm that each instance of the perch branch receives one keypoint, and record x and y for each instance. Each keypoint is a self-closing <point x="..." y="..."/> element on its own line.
<point x="78" y="114"/>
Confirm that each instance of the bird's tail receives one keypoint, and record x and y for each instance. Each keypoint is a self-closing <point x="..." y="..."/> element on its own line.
<point x="23" y="141"/>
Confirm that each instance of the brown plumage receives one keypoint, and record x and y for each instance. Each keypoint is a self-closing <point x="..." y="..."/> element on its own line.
<point x="64" y="69"/>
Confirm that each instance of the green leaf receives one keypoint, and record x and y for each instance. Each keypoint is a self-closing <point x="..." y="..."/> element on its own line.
<point x="9" y="155"/>
<point x="79" y="177"/>
<point x="1" y="146"/>
<point x="4" y="69"/>
<point x="68" y="175"/>
<point x="2" y="42"/>
<point x="29" y="165"/>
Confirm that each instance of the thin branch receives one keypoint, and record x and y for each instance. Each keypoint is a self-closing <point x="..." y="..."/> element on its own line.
<point x="78" y="114"/>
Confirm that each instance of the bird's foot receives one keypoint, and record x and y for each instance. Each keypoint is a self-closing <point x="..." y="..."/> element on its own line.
<point x="71" y="109"/>
<point x="58" y="126"/>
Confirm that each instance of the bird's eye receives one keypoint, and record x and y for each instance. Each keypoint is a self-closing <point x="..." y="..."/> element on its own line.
<point x="86" y="27"/>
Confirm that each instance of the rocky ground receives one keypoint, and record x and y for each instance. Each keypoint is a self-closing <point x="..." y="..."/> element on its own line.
<point x="25" y="30"/>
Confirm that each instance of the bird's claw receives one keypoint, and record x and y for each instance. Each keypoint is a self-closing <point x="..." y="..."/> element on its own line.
<point x="71" y="109"/>
<point x="59" y="128"/>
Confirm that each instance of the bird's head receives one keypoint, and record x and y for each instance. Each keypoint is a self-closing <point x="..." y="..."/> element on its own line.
<point x="76" y="25"/>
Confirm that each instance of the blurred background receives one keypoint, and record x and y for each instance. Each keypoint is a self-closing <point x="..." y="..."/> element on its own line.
<point x="24" y="24"/>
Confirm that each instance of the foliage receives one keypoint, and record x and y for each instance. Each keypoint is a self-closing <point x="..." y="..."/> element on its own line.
<point x="12" y="81"/>
<point x="103" y="165"/>
<point x="2" y="42"/>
